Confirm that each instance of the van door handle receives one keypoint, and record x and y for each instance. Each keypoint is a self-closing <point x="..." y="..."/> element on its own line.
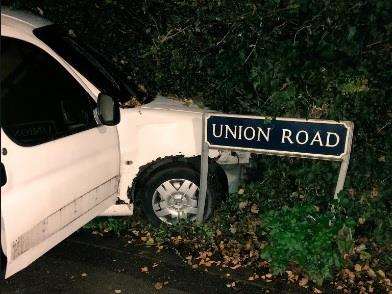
<point x="3" y="175"/>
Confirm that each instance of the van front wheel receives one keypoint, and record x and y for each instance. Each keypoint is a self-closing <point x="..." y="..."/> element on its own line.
<point x="173" y="194"/>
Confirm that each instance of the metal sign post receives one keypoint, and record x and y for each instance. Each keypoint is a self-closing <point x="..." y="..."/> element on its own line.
<point x="345" y="162"/>
<point x="203" y="174"/>
<point x="315" y="139"/>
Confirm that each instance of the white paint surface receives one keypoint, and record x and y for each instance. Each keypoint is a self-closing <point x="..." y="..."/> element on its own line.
<point x="56" y="187"/>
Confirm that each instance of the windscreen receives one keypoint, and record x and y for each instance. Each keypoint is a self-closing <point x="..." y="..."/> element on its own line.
<point x="91" y="64"/>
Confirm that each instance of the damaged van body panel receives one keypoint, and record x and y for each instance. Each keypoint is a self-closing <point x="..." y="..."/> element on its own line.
<point x="166" y="128"/>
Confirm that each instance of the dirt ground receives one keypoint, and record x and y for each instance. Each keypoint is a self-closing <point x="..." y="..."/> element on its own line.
<point x="87" y="263"/>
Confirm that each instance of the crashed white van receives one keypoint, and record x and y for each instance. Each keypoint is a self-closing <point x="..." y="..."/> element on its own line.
<point x="73" y="147"/>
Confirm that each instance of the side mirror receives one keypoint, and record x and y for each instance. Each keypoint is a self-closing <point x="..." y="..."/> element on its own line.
<point x="3" y="175"/>
<point x="108" y="110"/>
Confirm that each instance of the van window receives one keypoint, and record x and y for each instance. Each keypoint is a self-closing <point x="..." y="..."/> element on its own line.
<point x="91" y="64"/>
<point x="40" y="100"/>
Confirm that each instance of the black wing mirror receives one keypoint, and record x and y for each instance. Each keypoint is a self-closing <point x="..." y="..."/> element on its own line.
<point x="108" y="110"/>
<point x="3" y="175"/>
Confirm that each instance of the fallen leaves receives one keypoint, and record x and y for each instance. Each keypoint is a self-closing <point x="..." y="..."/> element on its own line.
<point x="144" y="269"/>
<point x="358" y="267"/>
<point x="303" y="282"/>
<point x="291" y="276"/>
<point x="381" y="274"/>
<point x="253" y="277"/>
<point x="241" y="253"/>
<point x="159" y="285"/>
<point x="349" y="274"/>
<point x="371" y="273"/>
<point x="204" y="259"/>
<point x="254" y="208"/>
<point x="242" y="205"/>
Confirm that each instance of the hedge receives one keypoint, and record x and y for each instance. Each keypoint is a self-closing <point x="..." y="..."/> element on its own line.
<point x="295" y="58"/>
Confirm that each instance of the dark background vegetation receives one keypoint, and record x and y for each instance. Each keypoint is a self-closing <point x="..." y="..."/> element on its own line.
<point x="300" y="58"/>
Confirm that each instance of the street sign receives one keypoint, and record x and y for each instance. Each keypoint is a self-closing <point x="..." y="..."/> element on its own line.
<point x="317" y="139"/>
<point x="280" y="136"/>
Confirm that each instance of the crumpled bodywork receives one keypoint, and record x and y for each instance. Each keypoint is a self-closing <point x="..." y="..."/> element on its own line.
<point x="163" y="128"/>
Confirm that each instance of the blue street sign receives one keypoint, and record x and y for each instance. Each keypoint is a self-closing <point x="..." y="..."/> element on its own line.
<point x="281" y="136"/>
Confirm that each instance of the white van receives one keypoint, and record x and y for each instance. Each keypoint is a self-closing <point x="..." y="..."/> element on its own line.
<point x="65" y="155"/>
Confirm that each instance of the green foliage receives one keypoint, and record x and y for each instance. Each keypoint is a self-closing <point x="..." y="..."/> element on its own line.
<point x="113" y="225"/>
<point x="188" y="230"/>
<point x="294" y="58"/>
<point x="302" y="58"/>
<point x="303" y="236"/>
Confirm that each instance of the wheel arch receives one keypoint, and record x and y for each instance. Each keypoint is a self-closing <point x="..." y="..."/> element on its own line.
<point x="148" y="170"/>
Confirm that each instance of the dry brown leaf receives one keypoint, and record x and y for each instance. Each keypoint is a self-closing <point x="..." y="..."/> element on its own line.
<point x="375" y="192"/>
<point x="235" y="267"/>
<point x="349" y="274"/>
<point x="144" y="269"/>
<point x="242" y="204"/>
<point x="289" y="274"/>
<point x="381" y="274"/>
<point x="208" y="263"/>
<point x="41" y="12"/>
<point x="303" y="282"/>
<point x="365" y="267"/>
<point x="371" y="273"/>
<point x="360" y="248"/>
<point x="264" y="264"/>
<point x="150" y="241"/>
<point x="358" y="267"/>
<point x="254" y="209"/>
<point x="158" y="285"/>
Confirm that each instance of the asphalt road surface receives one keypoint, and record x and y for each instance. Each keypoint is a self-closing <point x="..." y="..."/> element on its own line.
<point x="85" y="263"/>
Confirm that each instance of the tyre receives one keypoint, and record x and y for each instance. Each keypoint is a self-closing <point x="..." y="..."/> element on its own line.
<point x="172" y="194"/>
